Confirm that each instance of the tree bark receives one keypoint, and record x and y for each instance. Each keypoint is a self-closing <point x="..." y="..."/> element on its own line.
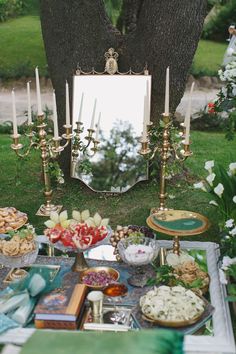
<point x="161" y="33"/>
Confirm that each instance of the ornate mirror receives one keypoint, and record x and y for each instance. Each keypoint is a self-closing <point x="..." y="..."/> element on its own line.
<point x="109" y="109"/>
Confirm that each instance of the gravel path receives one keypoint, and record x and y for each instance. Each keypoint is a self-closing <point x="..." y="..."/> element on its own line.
<point x="200" y="100"/>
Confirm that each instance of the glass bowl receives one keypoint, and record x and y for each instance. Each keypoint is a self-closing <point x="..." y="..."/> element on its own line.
<point x="138" y="251"/>
<point x="20" y="261"/>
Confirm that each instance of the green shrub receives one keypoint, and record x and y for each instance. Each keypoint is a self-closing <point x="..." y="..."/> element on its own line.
<point x="10" y="8"/>
<point x="217" y="27"/>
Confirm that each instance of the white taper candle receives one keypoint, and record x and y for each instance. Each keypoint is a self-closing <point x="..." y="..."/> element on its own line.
<point x="29" y="103"/>
<point x="39" y="104"/>
<point x="81" y="107"/>
<point x="15" y="132"/>
<point x="93" y="115"/>
<point x="55" y="123"/>
<point x="98" y="127"/>
<point x="144" y="134"/>
<point x="147" y="103"/>
<point x="167" y="92"/>
<point x="67" y="105"/>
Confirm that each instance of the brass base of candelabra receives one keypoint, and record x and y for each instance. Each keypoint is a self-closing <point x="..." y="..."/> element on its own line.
<point x="46" y="210"/>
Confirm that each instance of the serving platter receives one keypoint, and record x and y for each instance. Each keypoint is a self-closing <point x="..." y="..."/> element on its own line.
<point x="178" y="222"/>
<point x="201" y="318"/>
<point x="18" y="219"/>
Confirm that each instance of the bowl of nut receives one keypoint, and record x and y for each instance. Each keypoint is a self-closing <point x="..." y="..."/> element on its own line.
<point x="18" y="249"/>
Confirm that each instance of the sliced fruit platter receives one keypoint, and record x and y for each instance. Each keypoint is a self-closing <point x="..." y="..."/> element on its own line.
<point x="80" y="232"/>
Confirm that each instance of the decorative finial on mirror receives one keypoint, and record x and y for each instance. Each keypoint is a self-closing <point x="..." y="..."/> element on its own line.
<point x="111" y="66"/>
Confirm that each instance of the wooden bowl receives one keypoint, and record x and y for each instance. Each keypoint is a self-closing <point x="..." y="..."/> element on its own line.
<point x="109" y="271"/>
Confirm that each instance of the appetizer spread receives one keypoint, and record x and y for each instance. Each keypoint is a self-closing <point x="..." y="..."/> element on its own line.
<point x="18" y="245"/>
<point x="11" y="219"/>
<point x="175" y="304"/>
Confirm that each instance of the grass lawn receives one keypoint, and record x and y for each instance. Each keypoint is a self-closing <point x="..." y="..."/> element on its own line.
<point x="208" y="57"/>
<point x="20" y="186"/>
<point x="22" y="49"/>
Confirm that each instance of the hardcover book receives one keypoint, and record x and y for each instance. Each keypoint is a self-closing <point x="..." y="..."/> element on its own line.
<point x="63" y="304"/>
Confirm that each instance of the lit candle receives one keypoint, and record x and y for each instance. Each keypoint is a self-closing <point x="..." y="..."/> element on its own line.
<point x="93" y="115"/>
<point x="80" y="109"/>
<point x="55" y="123"/>
<point x="29" y="103"/>
<point x="167" y="92"/>
<point x="67" y="106"/>
<point x="144" y="134"/>
<point x="39" y="104"/>
<point x="15" y="132"/>
<point x="147" y="105"/>
<point x="188" y="116"/>
<point x="98" y="127"/>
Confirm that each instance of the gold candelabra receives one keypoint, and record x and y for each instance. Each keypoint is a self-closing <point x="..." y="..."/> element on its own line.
<point x="78" y="146"/>
<point x="49" y="148"/>
<point x="166" y="150"/>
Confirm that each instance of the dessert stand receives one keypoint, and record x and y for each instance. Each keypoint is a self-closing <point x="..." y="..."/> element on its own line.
<point x="178" y="223"/>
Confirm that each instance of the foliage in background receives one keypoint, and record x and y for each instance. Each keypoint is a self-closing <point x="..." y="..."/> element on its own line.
<point x="113" y="9"/>
<point x="226" y="101"/>
<point x="221" y="184"/>
<point x="217" y="27"/>
<point x="228" y="276"/>
<point x="10" y="8"/>
<point x="22" y="48"/>
<point x="208" y="119"/>
<point x="115" y="164"/>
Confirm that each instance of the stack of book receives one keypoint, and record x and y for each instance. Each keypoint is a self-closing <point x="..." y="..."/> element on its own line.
<point x="62" y="308"/>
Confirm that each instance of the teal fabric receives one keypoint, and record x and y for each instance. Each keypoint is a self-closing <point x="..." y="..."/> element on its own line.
<point x="141" y="342"/>
<point x="6" y="323"/>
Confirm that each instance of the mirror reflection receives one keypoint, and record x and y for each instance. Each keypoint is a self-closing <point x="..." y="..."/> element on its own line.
<point x="111" y="110"/>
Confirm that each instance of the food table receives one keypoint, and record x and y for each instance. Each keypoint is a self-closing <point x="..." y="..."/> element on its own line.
<point x="222" y="340"/>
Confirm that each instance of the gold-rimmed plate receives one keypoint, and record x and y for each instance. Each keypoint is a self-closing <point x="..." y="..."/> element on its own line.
<point x="178" y="222"/>
<point x="206" y="314"/>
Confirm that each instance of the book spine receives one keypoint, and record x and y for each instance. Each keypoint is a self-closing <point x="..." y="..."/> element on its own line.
<point x="40" y="324"/>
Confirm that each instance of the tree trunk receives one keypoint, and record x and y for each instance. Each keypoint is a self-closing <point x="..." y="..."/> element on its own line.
<point x="161" y="33"/>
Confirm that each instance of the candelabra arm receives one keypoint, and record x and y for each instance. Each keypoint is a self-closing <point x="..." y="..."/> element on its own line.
<point x="16" y="146"/>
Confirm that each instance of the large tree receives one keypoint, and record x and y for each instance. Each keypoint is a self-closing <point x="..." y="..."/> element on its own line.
<point x="160" y="33"/>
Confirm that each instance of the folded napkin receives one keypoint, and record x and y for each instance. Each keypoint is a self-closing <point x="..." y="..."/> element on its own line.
<point x="6" y="323"/>
<point x="146" y="341"/>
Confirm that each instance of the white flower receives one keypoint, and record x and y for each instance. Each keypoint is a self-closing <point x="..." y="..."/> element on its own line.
<point x="229" y="223"/>
<point x="227" y="261"/>
<point x="233" y="231"/>
<point x="232" y="168"/>
<point x="213" y="202"/>
<point x="171" y="196"/>
<point x="224" y="91"/>
<point x="200" y="185"/>
<point x="222" y="275"/>
<point x="60" y="180"/>
<point x="211" y="178"/>
<point x="219" y="189"/>
<point x="234" y="199"/>
<point x="208" y="165"/>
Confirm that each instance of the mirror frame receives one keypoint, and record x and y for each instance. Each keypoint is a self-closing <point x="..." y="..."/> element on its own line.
<point x="111" y="68"/>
